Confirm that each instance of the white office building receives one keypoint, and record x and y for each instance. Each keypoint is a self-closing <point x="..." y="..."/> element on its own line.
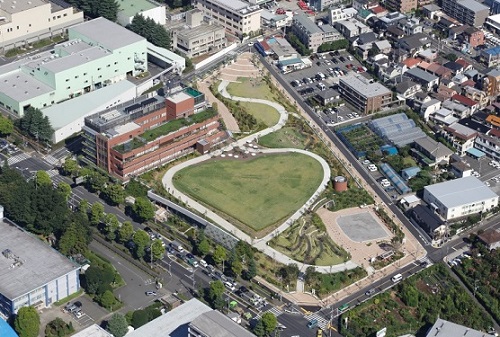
<point x="460" y="197"/>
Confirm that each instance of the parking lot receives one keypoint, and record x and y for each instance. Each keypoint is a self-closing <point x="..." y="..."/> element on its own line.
<point x="486" y="171"/>
<point x="333" y="65"/>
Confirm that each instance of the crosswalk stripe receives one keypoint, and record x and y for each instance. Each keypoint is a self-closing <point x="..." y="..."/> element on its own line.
<point x="17" y="158"/>
<point x="275" y="311"/>
<point x="322" y="322"/>
<point x="52" y="173"/>
<point x="50" y="159"/>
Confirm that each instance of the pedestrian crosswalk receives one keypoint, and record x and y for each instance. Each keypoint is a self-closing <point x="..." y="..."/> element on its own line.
<point x="17" y="158"/>
<point x="50" y="159"/>
<point x="52" y="173"/>
<point x="322" y="322"/>
<point x="275" y="311"/>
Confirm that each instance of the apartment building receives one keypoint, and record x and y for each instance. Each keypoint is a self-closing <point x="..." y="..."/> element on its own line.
<point x="351" y="28"/>
<point x="403" y="6"/>
<point x="312" y="35"/>
<point x="489" y="143"/>
<point x="363" y="94"/>
<point x="491" y="83"/>
<point x="339" y="14"/>
<point x="460" y="136"/>
<point x="149" y="132"/>
<point x="18" y="25"/>
<point x="198" y="37"/>
<point x="90" y="60"/>
<point x="238" y="17"/>
<point x="468" y="12"/>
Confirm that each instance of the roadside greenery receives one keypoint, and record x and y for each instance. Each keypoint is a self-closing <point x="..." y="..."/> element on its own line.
<point x="58" y="328"/>
<point x="297" y="44"/>
<point x="413" y="306"/>
<point x="353" y="197"/>
<point x="140" y="317"/>
<point x="324" y="284"/>
<point x="27" y="322"/>
<point x="117" y="325"/>
<point x="35" y="124"/>
<point x="334" y="45"/>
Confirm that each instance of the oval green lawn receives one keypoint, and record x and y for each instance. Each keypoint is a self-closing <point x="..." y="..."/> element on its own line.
<point x="257" y="192"/>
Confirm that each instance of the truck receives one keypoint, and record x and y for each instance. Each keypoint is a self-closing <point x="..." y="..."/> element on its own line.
<point x="177" y="246"/>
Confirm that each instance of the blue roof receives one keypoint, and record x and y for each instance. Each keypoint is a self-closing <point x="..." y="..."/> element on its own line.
<point x="410" y="172"/>
<point x="493" y="51"/>
<point x="6" y="330"/>
<point x="395" y="178"/>
<point x="476" y="153"/>
<point x="290" y="61"/>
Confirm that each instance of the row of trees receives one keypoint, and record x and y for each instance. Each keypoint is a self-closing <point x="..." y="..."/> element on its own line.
<point x="297" y="44"/>
<point x="27" y="324"/>
<point x="95" y="8"/>
<point x="150" y="30"/>
<point x="35" y="124"/>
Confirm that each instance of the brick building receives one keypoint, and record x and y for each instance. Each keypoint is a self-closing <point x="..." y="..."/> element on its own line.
<point x="149" y="132"/>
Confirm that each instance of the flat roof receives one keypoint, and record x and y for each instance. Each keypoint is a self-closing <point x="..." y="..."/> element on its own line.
<point x="174" y="323"/>
<point x="108" y="34"/>
<point x="473" y="5"/>
<point x="21" y="87"/>
<point x="73" y="60"/>
<point x="198" y="31"/>
<point x="363" y="86"/>
<point x="462" y="191"/>
<point x="64" y="113"/>
<point x="215" y="323"/>
<point x="421" y="74"/>
<point x="93" y="331"/>
<point x="179" y="97"/>
<point x="307" y="23"/>
<point x="132" y="7"/>
<point x="16" y="6"/>
<point x="443" y="328"/>
<point x="235" y="5"/>
<point x="37" y="263"/>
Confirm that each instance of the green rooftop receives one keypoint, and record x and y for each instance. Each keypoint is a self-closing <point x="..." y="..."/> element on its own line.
<point x="164" y="130"/>
<point x="133" y="7"/>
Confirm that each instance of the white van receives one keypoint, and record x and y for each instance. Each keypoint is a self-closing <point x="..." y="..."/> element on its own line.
<point x="321" y="86"/>
<point x="203" y="263"/>
<point x="397" y="278"/>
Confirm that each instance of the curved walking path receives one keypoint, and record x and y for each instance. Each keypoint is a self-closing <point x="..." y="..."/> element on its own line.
<point x="262" y="243"/>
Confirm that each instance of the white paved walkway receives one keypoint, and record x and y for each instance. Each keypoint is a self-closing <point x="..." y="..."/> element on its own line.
<point x="260" y="244"/>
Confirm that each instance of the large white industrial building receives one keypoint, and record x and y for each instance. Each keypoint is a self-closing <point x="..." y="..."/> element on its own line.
<point x="460" y="197"/>
<point x="31" y="272"/>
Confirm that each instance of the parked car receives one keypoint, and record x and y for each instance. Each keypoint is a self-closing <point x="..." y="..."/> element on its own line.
<point x="151" y="293"/>
<point x="370" y="292"/>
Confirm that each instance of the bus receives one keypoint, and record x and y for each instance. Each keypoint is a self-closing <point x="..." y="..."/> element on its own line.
<point x="343" y="307"/>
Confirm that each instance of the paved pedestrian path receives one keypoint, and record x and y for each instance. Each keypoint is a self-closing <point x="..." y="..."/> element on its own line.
<point x="261" y="244"/>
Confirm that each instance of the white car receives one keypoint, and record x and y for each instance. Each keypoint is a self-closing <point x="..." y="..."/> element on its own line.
<point x="385" y="184"/>
<point x="372" y="168"/>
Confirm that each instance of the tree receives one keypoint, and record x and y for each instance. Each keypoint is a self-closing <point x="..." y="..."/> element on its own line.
<point x="451" y="57"/>
<point x="74" y="241"/>
<point x="42" y="178"/>
<point x="215" y="292"/>
<point x="143" y="209"/>
<point x="96" y="213"/>
<point x="112" y="225"/>
<point x="136" y="189"/>
<point x="64" y="189"/>
<point x="203" y="247"/>
<point x="117" y="325"/>
<point x="27" y="322"/>
<point x="150" y="30"/>
<point x="269" y="322"/>
<point x="58" y="328"/>
<point x="220" y="254"/>
<point x="70" y="167"/>
<point x="259" y="329"/>
<point x="34" y="124"/>
<point x="141" y="240"/>
<point x="139" y="318"/>
<point x="107" y="300"/>
<point x="115" y="194"/>
<point x="252" y="269"/>
<point x="236" y="267"/>
<point x="125" y="232"/>
<point x="83" y="207"/>
<point x="158" y="249"/>
<point x="96" y="181"/>
<point x="6" y="126"/>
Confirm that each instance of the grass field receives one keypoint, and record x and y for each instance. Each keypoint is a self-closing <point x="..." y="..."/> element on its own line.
<point x="251" y="88"/>
<point x="262" y="112"/>
<point x="307" y="241"/>
<point x="284" y="137"/>
<point x="258" y="192"/>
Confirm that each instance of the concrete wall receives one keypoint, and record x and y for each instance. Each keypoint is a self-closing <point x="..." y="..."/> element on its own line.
<point x="215" y="56"/>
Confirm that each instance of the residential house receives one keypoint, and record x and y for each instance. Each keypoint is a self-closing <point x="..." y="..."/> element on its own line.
<point x="473" y="36"/>
<point x="393" y="33"/>
<point x="392" y="73"/>
<point x="437" y="69"/>
<point x="427" y="80"/>
<point x="491" y="238"/>
<point x="410" y="172"/>
<point x="490" y="57"/>
<point x="460" y="136"/>
<point x="364" y="15"/>
<point x="431" y="11"/>
<point x="328" y="96"/>
<point x="351" y="28"/>
<point x="459" y="110"/>
<point x="340" y="14"/>
<point x="414" y="43"/>
<point x="382" y="46"/>
<point x="410" y="26"/>
<point x="430" y="222"/>
<point x="471" y="104"/>
<point x="456" y="31"/>
<point x="390" y="19"/>
<point x="446" y="22"/>
<point x="443" y="117"/>
<point x="412" y="62"/>
<point x="429" y="152"/>
<point x="479" y="96"/>
<point x="445" y="93"/>
<point x="379" y="11"/>
<point x="364" y="4"/>
<point x="428" y="105"/>
<point x="461" y="169"/>
<point x="428" y="55"/>
<point x="364" y="44"/>
<point x="407" y="89"/>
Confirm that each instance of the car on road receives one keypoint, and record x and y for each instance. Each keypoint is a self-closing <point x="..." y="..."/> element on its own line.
<point x="424" y="264"/>
<point x="229" y="286"/>
<point x="370" y="292"/>
<point x="312" y="324"/>
<point x="203" y="263"/>
<point x="243" y="289"/>
<point x="151" y="293"/>
<point x="189" y="256"/>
